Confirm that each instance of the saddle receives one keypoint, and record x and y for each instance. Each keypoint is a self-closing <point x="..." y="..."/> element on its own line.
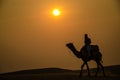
<point x="94" y="51"/>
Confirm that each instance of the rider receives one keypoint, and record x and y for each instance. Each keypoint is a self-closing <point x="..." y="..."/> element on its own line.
<point x="87" y="42"/>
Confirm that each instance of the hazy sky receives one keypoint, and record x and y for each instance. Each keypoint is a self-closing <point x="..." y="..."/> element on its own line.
<point x="31" y="37"/>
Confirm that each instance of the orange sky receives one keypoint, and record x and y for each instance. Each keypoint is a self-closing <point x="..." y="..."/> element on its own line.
<point x="33" y="38"/>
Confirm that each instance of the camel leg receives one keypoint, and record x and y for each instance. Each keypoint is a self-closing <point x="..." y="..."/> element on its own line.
<point x="81" y="69"/>
<point x="88" y="69"/>
<point x="102" y="68"/>
<point x="97" y="69"/>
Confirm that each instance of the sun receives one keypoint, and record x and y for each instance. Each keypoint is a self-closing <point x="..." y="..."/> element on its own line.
<point x="56" y="12"/>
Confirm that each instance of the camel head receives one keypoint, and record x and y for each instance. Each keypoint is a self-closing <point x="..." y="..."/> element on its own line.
<point x="73" y="49"/>
<point x="69" y="45"/>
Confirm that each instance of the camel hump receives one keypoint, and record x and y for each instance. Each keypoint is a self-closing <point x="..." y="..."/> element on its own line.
<point x="94" y="48"/>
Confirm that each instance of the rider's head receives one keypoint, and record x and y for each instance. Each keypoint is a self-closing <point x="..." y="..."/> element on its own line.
<point x="86" y="35"/>
<point x="87" y="40"/>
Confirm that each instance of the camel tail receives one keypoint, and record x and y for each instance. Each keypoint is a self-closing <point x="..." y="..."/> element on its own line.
<point x="100" y="56"/>
<point x="101" y="61"/>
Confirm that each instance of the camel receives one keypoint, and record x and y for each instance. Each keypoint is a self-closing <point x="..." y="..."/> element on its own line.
<point x="82" y="54"/>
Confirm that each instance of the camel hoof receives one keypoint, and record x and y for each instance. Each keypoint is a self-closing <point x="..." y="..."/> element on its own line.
<point x="80" y="76"/>
<point x="104" y="75"/>
<point x="89" y="75"/>
<point x="95" y="75"/>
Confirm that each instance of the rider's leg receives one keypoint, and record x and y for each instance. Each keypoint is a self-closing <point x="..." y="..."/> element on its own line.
<point x="88" y="50"/>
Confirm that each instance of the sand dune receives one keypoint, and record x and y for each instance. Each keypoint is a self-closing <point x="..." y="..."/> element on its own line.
<point x="112" y="73"/>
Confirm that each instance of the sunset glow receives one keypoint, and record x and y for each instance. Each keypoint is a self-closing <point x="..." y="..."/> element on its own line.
<point x="56" y="12"/>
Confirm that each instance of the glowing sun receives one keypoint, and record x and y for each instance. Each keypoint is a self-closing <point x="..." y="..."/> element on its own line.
<point x="56" y="12"/>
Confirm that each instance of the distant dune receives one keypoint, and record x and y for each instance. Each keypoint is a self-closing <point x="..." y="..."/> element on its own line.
<point x="112" y="72"/>
<point x="40" y="71"/>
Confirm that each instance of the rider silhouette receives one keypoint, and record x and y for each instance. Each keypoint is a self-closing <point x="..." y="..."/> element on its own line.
<point x="87" y="42"/>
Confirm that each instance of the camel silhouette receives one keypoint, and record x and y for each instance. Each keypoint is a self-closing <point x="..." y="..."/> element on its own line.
<point x="95" y="56"/>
